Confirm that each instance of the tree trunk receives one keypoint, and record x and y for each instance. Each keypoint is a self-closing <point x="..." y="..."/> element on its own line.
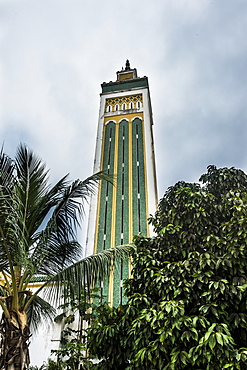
<point x="15" y="342"/>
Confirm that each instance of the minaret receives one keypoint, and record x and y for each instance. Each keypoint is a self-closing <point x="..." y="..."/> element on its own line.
<point x="124" y="148"/>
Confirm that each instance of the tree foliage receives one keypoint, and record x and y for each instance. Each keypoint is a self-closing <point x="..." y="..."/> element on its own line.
<point x="187" y="299"/>
<point x="75" y="317"/>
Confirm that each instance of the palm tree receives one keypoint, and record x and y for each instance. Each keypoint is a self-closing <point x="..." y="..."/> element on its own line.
<point x="38" y="241"/>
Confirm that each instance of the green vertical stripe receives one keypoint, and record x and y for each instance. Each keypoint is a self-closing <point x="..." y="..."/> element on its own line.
<point x="122" y="209"/>
<point x="105" y="212"/>
<point x="122" y="205"/>
<point x="138" y="179"/>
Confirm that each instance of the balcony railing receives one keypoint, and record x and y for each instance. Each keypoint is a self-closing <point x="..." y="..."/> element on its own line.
<point x="121" y="112"/>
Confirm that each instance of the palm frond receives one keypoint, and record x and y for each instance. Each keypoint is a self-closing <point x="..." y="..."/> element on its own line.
<point x="73" y="280"/>
<point x="7" y="181"/>
<point x="40" y="311"/>
<point x="58" y="239"/>
<point x="31" y="187"/>
<point x="56" y="256"/>
<point x="72" y="203"/>
<point x="7" y="168"/>
<point x="13" y="243"/>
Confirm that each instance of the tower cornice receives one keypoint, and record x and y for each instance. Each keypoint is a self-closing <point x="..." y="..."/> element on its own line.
<point x="139" y="82"/>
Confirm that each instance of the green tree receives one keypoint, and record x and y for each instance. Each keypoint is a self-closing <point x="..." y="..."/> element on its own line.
<point x="76" y="317"/>
<point x="38" y="242"/>
<point x="186" y="304"/>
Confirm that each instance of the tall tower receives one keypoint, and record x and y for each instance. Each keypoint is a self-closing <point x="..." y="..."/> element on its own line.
<point x="124" y="148"/>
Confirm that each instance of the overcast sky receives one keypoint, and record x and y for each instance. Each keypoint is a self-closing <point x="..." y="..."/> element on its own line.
<point x="56" y="53"/>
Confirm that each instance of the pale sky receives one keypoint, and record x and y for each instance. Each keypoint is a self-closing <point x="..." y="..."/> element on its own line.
<point x="56" y="53"/>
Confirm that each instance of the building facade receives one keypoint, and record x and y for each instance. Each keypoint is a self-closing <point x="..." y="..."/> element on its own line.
<point x="125" y="149"/>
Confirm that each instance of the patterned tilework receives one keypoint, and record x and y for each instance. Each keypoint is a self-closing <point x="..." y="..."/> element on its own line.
<point x="114" y="211"/>
<point x="124" y="99"/>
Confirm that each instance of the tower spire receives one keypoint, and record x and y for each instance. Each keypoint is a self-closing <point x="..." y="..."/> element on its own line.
<point x="127" y="65"/>
<point x="127" y="72"/>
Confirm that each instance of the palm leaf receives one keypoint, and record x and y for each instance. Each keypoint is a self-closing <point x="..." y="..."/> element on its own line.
<point x="40" y="311"/>
<point x="7" y="168"/>
<point x="56" y="245"/>
<point x="71" y="281"/>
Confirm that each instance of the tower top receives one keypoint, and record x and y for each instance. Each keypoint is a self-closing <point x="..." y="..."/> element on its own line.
<point x="127" y="73"/>
<point x="127" y="79"/>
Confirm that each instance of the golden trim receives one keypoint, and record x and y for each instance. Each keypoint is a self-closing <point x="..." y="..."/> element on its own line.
<point x="128" y="117"/>
<point x="126" y="76"/>
<point x="130" y="267"/>
<point x="146" y="174"/>
<point x="108" y="121"/>
<point x="111" y="285"/>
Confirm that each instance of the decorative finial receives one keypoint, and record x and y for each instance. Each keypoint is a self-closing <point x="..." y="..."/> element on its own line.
<point x="127" y="65"/>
